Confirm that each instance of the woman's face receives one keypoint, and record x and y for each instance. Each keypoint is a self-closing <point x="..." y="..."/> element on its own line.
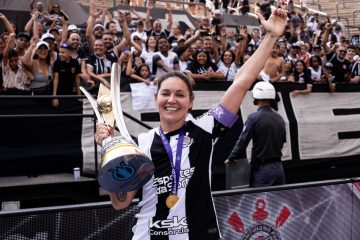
<point x="201" y="58"/>
<point x="144" y="72"/>
<point x="299" y="67"/>
<point x="228" y="59"/>
<point x="42" y="52"/>
<point x="152" y="41"/>
<point x="174" y="101"/>
<point x="315" y="62"/>
<point x="288" y="66"/>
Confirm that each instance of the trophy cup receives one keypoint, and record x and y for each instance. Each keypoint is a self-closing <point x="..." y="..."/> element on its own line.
<point x="123" y="167"/>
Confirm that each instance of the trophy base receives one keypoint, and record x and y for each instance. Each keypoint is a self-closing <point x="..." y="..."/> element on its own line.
<point x="125" y="173"/>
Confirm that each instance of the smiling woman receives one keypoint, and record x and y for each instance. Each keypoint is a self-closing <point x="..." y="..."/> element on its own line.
<point x="177" y="202"/>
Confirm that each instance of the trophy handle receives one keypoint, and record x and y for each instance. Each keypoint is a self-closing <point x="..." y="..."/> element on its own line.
<point x="93" y="104"/>
<point x="116" y="102"/>
<point x="97" y="113"/>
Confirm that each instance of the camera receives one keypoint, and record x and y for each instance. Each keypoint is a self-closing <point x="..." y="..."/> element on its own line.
<point x="205" y="33"/>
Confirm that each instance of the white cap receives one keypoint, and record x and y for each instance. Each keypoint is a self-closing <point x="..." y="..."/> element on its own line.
<point x="40" y="44"/>
<point x="72" y="27"/>
<point x="263" y="90"/>
<point x="47" y="35"/>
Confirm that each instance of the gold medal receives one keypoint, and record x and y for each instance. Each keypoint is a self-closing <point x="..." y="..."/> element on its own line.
<point x="171" y="200"/>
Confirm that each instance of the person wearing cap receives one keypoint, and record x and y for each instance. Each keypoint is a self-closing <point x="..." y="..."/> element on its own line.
<point x="66" y="76"/>
<point x="72" y="29"/>
<point x="140" y="32"/>
<point x="93" y="31"/>
<point x="341" y="66"/>
<point x="50" y="39"/>
<point x="22" y="43"/>
<point x="293" y="53"/>
<point x="157" y="30"/>
<point x="40" y="67"/>
<point x="328" y="76"/>
<point x="267" y="130"/>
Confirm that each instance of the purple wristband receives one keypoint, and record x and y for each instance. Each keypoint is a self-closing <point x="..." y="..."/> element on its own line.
<point x="223" y="116"/>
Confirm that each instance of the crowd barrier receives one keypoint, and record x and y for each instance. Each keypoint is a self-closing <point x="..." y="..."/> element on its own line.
<point x="319" y="210"/>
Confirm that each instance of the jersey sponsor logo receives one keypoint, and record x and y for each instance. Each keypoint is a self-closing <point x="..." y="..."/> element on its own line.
<point x="163" y="184"/>
<point x="172" y="226"/>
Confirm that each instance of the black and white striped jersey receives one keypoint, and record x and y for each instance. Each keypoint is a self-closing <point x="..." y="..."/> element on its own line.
<point x="193" y="216"/>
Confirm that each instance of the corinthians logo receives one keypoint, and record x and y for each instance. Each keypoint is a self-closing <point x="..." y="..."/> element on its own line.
<point x="261" y="229"/>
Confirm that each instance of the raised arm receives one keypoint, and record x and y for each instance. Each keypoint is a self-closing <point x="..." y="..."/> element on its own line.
<point x="148" y="14"/>
<point x="26" y="59"/>
<point x="133" y="11"/>
<point x="328" y="28"/>
<point x="49" y="5"/>
<point x="245" y="76"/>
<point x="9" y="44"/>
<point x="90" y="25"/>
<point x="126" y="33"/>
<point x="7" y="23"/>
<point x="170" y="18"/>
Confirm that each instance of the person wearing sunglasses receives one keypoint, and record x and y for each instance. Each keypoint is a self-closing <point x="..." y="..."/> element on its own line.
<point x="336" y="56"/>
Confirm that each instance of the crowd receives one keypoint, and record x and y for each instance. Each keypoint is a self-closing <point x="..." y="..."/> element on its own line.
<point x="48" y="56"/>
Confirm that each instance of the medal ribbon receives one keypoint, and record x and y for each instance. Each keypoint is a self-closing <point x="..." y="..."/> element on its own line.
<point x="175" y="170"/>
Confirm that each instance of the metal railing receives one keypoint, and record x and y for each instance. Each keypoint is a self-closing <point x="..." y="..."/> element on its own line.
<point x="62" y="115"/>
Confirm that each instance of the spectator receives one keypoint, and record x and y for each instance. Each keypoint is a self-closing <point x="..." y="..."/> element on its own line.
<point x="176" y="34"/>
<point x="40" y="67"/>
<point x="315" y="69"/>
<point x="156" y="30"/>
<point x="288" y="72"/>
<point x="336" y="58"/>
<point x="16" y="79"/>
<point x="93" y="31"/>
<point x="293" y="53"/>
<point x="98" y="65"/>
<point x="202" y="68"/>
<point x="140" y="32"/>
<point x="148" y="53"/>
<point x="328" y="77"/>
<point x="164" y="61"/>
<point x="301" y="75"/>
<point x="66" y="76"/>
<point x="355" y="71"/>
<point x="274" y="66"/>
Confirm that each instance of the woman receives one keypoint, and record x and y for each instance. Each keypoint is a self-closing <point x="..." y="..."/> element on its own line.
<point x="228" y="65"/>
<point x="301" y="75"/>
<point x="288" y="71"/>
<point x="202" y="68"/>
<point x="315" y="69"/>
<point x="40" y="67"/>
<point x="193" y="213"/>
<point x="149" y="51"/>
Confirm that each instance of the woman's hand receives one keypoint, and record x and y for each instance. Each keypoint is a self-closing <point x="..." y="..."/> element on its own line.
<point x="102" y="132"/>
<point x="275" y="25"/>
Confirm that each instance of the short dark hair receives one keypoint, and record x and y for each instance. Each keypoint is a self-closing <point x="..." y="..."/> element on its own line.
<point x="108" y="24"/>
<point x="13" y="53"/>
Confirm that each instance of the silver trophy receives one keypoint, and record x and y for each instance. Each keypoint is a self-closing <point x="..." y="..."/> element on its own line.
<point x="124" y="167"/>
